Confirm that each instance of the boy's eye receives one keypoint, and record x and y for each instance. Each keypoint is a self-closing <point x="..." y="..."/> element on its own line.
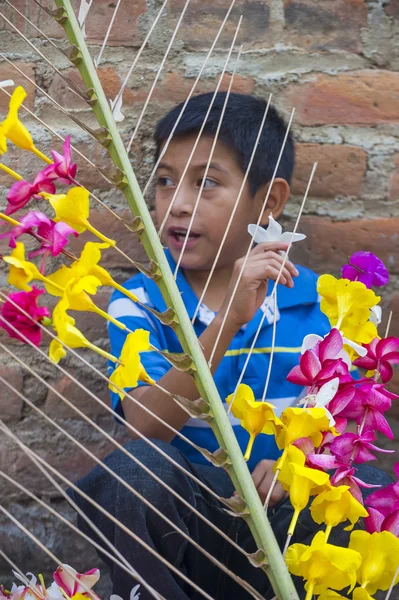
<point x="209" y="183"/>
<point x="164" y="181"/>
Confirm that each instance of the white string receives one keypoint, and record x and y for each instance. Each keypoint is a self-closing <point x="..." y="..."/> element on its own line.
<point x="389" y="592"/>
<point x="165" y="56"/>
<point x="122" y="564"/>
<point x="233" y="212"/>
<point x="97" y="60"/>
<point x="269" y="370"/>
<point x="251" y="242"/>
<point x="166" y="144"/>
<point x="85" y="6"/>
<point x="214" y="141"/>
<point x="118" y="98"/>
<point x="274" y="291"/>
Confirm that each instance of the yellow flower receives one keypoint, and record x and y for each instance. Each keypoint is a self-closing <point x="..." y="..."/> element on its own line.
<point x="336" y="505"/>
<point x="21" y="271"/>
<point x="70" y="335"/>
<point x="323" y="565"/>
<point x="380" y="559"/>
<point x="14" y="130"/>
<point x="303" y="422"/>
<point x="73" y="208"/>
<point x="300" y="481"/>
<point x="344" y="299"/>
<point x="360" y="594"/>
<point x="361" y="334"/>
<point x="331" y="595"/>
<point x="255" y="417"/>
<point x="127" y="374"/>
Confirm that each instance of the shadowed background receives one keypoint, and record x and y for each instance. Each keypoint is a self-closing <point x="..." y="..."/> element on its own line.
<point x="336" y="61"/>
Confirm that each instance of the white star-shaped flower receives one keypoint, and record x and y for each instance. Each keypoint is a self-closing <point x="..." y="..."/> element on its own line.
<point x="273" y="233"/>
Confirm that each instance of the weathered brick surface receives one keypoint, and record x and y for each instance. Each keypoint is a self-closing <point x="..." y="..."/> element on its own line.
<point x="363" y="98"/>
<point x="340" y="170"/>
<point x="331" y="24"/>
<point x="336" y="61"/>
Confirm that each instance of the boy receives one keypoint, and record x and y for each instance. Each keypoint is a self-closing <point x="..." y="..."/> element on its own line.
<point x="298" y="315"/>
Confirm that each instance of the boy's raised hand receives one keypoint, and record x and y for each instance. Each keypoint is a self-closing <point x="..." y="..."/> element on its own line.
<point x="263" y="263"/>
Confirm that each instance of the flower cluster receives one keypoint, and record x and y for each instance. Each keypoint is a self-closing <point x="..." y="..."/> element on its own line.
<point x="317" y="466"/>
<point x="74" y="283"/>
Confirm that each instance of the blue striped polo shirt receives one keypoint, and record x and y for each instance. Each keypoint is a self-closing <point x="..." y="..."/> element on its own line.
<point x="298" y="314"/>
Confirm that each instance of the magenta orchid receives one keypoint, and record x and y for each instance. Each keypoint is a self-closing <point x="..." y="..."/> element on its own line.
<point x="62" y="168"/>
<point x="383" y="508"/>
<point x="71" y="582"/>
<point x="52" y="236"/>
<point x="367" y="268"/>
<point x="22" y="191"/>
<point x="321" y="364"/>
<point x="345" y="475"/>
<point x="381" y="355"/>
<point x="355" y="447"/>
<point x="28" y="326"/>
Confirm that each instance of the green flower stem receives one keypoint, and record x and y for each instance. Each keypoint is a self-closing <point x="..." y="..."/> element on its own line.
<point x="240" y="475"/>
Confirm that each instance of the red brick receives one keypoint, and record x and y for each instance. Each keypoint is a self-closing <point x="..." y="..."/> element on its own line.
<point x="392" y="9"/>
<point x="394" y="181"/>
<point x="329" y="244"/>
<point x="204" y="18"/>
<point x="125" y="31"/>
<point x="363" y="98"/>
<point x="340" y="170"/>
<point x="11" y="404"/>
<point x="56" y="408"/>
<point x="175" y="87"/>
<point x="8" y="72"/>
<point x="330" y="24"/>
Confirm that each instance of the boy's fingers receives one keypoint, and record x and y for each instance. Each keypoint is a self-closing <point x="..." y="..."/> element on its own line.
<point x="266" y="246"/>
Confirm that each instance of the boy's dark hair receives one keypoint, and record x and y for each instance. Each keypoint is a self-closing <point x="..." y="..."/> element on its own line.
<point x="240" y="127"/>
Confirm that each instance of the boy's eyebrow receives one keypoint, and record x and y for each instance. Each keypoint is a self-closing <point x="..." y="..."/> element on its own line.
<point x="212" y="165"/>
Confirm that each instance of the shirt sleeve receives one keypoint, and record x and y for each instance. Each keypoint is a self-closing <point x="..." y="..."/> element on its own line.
<point x="135" y="317"/>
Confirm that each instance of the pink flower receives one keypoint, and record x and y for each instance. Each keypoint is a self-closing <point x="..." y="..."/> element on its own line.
<point x="357" y="448"/>
<point x="72" y="582"/>
<point x="53" y="236"/>
<point x="367" y="406"/>
<point x="22" y="191"/>
<point x="62" y="168"/>
<point x="381" y="355"/>
<point x="26" y="326"/>
<point x="322" y="363"/>
<point x="345" y="475"/>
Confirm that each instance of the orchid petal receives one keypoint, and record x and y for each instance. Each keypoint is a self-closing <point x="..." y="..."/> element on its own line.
<point x="258" y="234"/>
<point x="310" y="341"/>
<point x="327" y="392"/>
<point x="289" y="237"/>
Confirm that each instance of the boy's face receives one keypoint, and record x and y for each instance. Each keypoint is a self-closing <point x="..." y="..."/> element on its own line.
<point x="219" y="194"/>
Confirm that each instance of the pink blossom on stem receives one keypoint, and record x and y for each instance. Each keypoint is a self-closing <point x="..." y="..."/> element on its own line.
<point x="27" y="326"/>
<point x="381" y="355"/>
<point x="345" y="475"/>
<point x="355" y="447"/>
<point x="22" y="191"/>
<point x="367" y="406"/>
<point x="62" y="169"/>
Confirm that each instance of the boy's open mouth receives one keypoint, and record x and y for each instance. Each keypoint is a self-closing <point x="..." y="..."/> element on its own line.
<point x="177" y="235"/>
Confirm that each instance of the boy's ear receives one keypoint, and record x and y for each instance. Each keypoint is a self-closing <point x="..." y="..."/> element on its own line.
<point x="278" y="197"/>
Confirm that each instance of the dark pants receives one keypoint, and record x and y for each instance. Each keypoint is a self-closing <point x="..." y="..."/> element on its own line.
<point x="151" y="528"/>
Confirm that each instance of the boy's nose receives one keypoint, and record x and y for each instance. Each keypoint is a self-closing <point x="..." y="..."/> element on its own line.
<point x="184" y="202"/>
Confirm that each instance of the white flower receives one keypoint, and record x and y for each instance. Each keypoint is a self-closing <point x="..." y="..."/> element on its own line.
<point x="6" y="83"/>
<point x="116" y="107"/>
<point x="273" y="233"/>
<point x="134" y="594"/>
<point x="376" y="315"/>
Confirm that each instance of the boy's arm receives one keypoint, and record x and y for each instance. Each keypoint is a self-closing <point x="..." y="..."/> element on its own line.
<point x="263" y="263"/>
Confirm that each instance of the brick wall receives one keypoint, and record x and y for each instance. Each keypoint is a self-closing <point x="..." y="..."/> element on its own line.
<point x="336" y="61"/>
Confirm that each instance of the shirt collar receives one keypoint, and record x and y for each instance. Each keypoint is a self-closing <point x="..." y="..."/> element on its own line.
<point x="303" y="292"/>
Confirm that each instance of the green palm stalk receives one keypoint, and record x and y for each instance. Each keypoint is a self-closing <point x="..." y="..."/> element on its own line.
<point x="109" y="136"/>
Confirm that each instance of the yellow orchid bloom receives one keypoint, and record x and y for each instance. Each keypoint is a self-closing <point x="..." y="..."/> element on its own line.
<point x="361" y="334"/>
<point x="300" y="481"/>
<point x="344" y="299"/>
<point x="360" y="593"/>
<point x="335" y="505"/>
<point x="70" y="335"/>
<point x="22" y="271"/>
<point x="255" y="417"/>
<point x="14" y="130"/>
<point x="380" y="559"/>
<point x="127" y="374"/>
<point x="303" y="422"/>
<point x="323" y="565"/>
<point x="73" y="209"/>
<point x="331" y="595"/>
